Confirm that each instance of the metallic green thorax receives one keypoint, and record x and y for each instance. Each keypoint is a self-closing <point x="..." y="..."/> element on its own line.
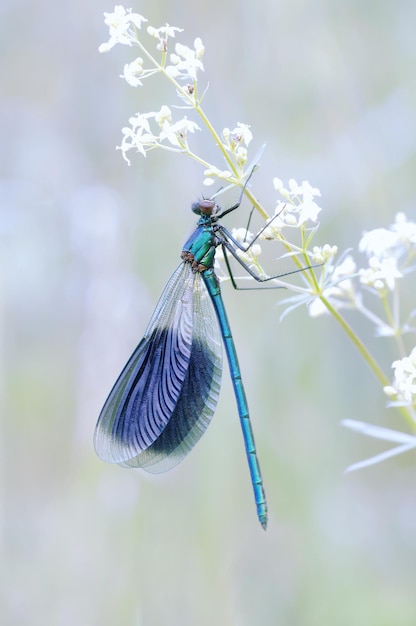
<point x="201" y="244"/>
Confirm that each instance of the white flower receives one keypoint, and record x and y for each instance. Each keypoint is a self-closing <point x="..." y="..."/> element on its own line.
<point x="378" y="243"/>
<point x="394" y="242"/>
<point x="308" y="209"/>
<point x="405" y="230"/>
<point x="346" y="268"/>
<point x="139" y="136"/>
<point x="404" y="384"/>
<point x="241" y="134"/>
<point x="136" y="19"/>
<point x="199" y="48"/>
<point x="304" y="189"/>
<point x="241" y="156"/>
<point x="186" y="62"/>
<point x="244" y="237"/>
<point x="213" y="172"/>
<point x="255" y="250"/>
<point x="162" y="34"/>
<point x="340" y="291"/>
<point x="140" y="121"/>
<point x="301" y="206"/>
<point x="386" y="250"/>
<point x="164" y="31"/>
<point x="279" y="186"/>
<point x="132" y="71"/>
<point x="380" y="273"/>
<point x="164" y="115"/>
<point x="119" y="27"/>
<point x="321" y="254"/>
<point x="176" y="133"/>
<point x="275" y="223"/>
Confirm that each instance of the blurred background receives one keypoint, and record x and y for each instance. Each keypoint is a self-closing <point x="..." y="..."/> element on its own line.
<point x="87" y="244"/>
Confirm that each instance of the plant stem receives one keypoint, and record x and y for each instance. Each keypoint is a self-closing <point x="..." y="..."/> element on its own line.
<point x="366" y="355"/>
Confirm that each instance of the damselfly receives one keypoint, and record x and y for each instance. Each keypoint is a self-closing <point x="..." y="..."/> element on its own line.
<point x="166" y="395"/>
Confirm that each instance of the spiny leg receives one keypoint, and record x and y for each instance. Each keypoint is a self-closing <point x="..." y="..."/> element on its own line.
<point x="260" y="279"/>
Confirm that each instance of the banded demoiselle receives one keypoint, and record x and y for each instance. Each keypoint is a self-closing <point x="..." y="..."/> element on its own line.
<point x="166" y="395"/>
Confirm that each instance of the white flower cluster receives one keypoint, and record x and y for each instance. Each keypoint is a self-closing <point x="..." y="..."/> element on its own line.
<point x="391" y="254"/>
<point x="121" y="24"/>
<point x="300" y="205"/>
<point x="235" y="142"/>
<point x="184" y="64"/>
<point x="180" y="66"/>
<point x="386" y="250"/>
<point x="390" y="257"/>
<point x="403" y="390"/>
<point x="253" y="251"/>
<point x="298" y="210"/>
<point x="140" y="136"/>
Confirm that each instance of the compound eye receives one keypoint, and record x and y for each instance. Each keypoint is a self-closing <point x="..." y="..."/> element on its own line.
<point x="204" y="207"/>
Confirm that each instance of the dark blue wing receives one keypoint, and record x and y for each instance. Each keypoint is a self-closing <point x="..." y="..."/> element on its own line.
<point x="166" y="394"/>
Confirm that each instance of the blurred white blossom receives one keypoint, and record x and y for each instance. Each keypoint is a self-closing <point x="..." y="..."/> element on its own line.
<point x="387" y="252"/>
<point x="338" y="288"/>
<point x="403" y="389"/>
<point x="379" y="243"/>
<point x="380" y="273"/>
<point x="405" y="230"/>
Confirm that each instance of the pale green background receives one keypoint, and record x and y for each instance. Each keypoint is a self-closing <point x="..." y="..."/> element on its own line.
<point x="87" y="244"/>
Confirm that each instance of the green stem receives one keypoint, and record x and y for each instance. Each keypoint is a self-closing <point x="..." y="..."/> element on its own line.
<point x="216" y="138"/>
<point x="366" y="356"/>
<point x="256" y="204"/>
<point x="193" y="102"/>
